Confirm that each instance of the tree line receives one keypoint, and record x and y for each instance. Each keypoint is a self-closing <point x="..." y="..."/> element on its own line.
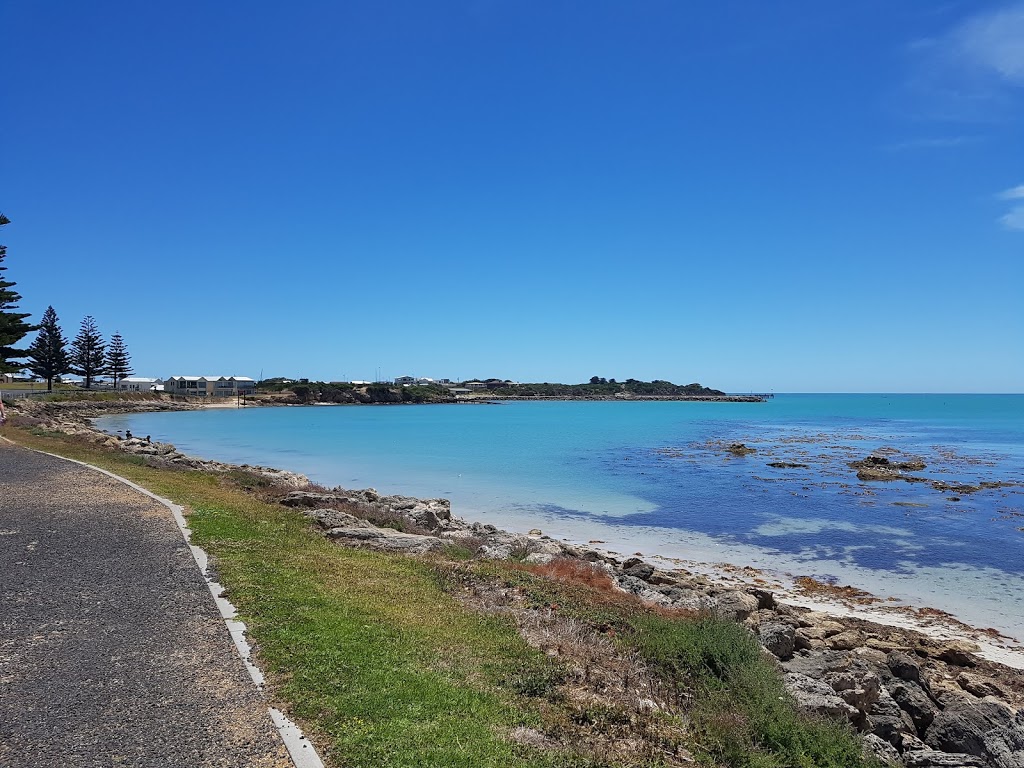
<point x="599" y="386"/>
<point x="50" y="356"/>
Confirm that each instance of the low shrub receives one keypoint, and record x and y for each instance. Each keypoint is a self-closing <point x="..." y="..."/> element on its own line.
<point x="741" y="714"/>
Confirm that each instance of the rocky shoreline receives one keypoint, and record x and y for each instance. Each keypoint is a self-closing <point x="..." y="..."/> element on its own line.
<point x="73" y="417"/>
<point x="919" y="700"/>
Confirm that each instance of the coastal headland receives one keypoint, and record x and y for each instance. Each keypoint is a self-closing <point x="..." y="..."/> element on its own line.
<point x="304" y="392"/>
<point x="919" y="690"/>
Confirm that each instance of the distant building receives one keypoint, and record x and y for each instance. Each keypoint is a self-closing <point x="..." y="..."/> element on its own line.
<point x="408" y="381"/>
<point x="210" y="386"/>
<point x="475" y="385"/>
<point x="423" y="381"/>
<point x="11" y="378"/>
<point x="139" y="384"/>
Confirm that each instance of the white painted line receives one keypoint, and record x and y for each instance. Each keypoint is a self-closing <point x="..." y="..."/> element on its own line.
<point x="300" y="749"/>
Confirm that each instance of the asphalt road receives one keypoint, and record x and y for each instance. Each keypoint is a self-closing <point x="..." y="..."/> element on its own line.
<point x="112" y="652"/>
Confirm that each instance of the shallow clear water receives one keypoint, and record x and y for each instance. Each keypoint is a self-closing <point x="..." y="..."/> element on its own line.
<point x="652" y="475"/>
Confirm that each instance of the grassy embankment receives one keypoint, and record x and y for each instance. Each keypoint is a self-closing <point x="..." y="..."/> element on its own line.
<point x="20" y="386"/>
<point x="385" y="663"/>
<point x="75" y="394"/>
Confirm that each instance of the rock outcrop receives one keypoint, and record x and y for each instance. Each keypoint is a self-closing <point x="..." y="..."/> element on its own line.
<point x="882" y="468"/>
<point x="915" y="704"/>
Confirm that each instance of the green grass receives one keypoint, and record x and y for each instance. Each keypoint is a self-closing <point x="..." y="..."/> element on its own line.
<point x="374" y="655"/>
<point x="369" y="646"/>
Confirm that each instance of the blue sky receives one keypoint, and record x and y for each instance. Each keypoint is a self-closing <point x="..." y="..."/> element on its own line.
<point x="798" y="196"/>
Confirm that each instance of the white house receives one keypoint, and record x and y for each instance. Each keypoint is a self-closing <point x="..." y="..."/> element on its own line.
<point x="139" y="384"/>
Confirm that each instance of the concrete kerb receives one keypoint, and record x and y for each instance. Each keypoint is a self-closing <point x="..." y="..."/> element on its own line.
<point x="300" y="749"/>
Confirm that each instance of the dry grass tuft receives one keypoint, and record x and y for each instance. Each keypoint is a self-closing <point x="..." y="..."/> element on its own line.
<point x="577" y="572"/>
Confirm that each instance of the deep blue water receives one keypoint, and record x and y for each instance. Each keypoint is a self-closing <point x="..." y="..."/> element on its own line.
<point x="614" y="470"/>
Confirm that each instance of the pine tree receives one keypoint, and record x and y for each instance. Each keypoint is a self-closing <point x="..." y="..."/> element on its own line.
<point x="48" y="355"/>
<point x="13" y="327"/>
<point x="118" y="359"/>
<point x="87" y="359"/>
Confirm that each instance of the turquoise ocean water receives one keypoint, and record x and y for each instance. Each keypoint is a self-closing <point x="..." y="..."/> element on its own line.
<point x="652" y="477"/>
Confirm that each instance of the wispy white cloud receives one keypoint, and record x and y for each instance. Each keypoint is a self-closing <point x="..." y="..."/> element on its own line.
<point x="974" y="71"/>
<point x="1014" y="219"/>
<point x="938" y="142"/>
<point x="994" y="41"/>
<point x="1014" y="193"/>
